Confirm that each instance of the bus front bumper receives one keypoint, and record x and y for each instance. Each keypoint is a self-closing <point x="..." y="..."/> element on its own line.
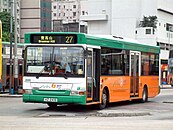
<point x="30" y="98"/>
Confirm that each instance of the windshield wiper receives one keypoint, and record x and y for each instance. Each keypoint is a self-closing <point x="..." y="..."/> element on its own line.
<point x="64" y="75"/>
<point x="49" y="67"/>
<point x="46" y="68"/>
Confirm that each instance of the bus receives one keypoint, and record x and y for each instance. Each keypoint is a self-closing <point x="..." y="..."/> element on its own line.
<point x="170" y="68"/>
<point x="0" y="56"/>
<point x="104" y="69"/>
<point x="6" y="66"/>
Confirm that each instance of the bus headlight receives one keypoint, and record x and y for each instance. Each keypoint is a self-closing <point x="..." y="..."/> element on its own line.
<point x="28" y="91"/>
<point x="77" y="93"/>
<point x="81" y="93"/>
<point x="74" y="92"/>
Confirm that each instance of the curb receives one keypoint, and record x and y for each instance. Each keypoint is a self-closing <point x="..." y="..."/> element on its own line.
<point x="11" y="95"/>
<point x="106" y="113"/>
<point x="122" y="113"/>
<point x="167" y="101"/>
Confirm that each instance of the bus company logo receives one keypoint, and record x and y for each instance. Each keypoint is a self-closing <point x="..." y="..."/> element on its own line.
<point x="122" y="81"/>
<point x="57" y="86"/>
<point x="119" y="82"/>
<point x="45" y="87"/>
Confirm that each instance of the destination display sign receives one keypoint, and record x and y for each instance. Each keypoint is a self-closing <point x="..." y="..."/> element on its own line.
<point x="53" y="38"/>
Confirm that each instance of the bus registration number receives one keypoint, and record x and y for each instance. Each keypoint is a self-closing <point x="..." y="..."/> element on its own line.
<point x="50" y="100"/>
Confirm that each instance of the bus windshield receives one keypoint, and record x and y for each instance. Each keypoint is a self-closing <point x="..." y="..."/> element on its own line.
<point x="54" y="61"/>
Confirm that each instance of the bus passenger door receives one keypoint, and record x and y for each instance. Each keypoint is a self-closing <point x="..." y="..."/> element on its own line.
<point x="134" y="73"/>
<point x="93" y="75"/>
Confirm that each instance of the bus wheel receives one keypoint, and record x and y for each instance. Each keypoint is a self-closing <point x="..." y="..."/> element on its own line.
<point x="104" y="101"/>
<point x="171" y="83"/>
<point x="144" y="95"/>
<point x="52" y="105"/>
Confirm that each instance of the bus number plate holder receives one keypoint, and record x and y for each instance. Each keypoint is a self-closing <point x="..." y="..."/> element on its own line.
<point x="50" y="100"/>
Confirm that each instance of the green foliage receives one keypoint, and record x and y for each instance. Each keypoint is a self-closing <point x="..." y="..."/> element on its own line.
<point x="6" y="36"/>
<point x="150" y="21"/>
<point x="5" y="19"/>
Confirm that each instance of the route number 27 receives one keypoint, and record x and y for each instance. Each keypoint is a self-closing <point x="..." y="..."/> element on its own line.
<point x="69" y="39"/>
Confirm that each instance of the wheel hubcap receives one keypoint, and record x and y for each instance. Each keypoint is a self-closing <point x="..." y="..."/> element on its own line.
<point x="144" y="95"/>
<point x="104" y="98"/>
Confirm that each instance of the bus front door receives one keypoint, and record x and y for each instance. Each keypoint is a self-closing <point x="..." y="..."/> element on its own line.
<point x="93" y="75"/>
<point x="134" y="73"/>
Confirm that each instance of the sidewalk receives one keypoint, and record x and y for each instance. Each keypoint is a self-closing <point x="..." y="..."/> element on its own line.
<point x="165" y="86"/>
<point x="10" y="95"/>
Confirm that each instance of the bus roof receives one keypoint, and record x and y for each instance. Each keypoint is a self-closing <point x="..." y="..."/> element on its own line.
<point x="104" y="41"/>
<point x="121" y="43"/>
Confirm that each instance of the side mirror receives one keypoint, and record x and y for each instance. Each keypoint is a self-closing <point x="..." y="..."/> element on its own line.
<point x="23" y="52"/>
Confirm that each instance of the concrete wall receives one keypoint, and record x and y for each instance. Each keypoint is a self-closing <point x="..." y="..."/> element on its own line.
<point x="30" y="3"/>
<point x="99" y="16"/>
<point x="30" y="17"/>
<point x="142" y="37"/>
<point x="127" y="14"/>
<point x="163" y="34"/>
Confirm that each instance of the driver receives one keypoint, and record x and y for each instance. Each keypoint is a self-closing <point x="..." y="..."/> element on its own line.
<point x="62" y="64"/>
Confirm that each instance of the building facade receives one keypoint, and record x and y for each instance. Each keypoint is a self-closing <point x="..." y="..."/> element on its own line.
<point x="66" y="15"/>
<point x="5" y="5"/>
<point x="123" y="18"/>
<point x="66" y="10"/>
<point x="35" y="16"/>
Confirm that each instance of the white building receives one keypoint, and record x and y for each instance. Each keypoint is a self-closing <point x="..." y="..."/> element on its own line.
<point x="5" y="5"/>
<point x="66" y="10"/>
<point x="123" y="17"/>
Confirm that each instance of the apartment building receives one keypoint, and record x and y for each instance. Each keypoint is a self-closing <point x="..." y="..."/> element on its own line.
<point x="66" y="10"/>
<point x="66" y="15"/>
<point x="35" y="16"/>
<point x="5" y="5"/>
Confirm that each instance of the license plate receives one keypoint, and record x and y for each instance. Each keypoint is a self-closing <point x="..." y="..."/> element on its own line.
<point x="50" y="100"/>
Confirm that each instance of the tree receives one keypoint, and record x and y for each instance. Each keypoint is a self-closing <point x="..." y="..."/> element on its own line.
<point x="5" y="19"/>
<point x="150" y="21"/>
<point x="6" y="37"/>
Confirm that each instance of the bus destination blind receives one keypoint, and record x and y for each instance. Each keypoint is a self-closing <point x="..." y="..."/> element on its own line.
<point x="53" y="39"/>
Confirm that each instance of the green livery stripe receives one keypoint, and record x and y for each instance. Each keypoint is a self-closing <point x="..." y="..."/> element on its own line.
<point x="60" y="99"/>
<point x="53" y="92"/>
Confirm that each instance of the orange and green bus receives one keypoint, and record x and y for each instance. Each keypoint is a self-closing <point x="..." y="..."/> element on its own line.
<point x="0" y="56"/>
<point x="103" y="69"/>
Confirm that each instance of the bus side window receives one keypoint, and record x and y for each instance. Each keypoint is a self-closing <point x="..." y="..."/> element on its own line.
<point x="105" y="67"/>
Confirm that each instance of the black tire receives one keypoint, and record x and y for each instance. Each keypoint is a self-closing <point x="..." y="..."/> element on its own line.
<point x="171" y="83"/>
<point x="144" y="95"/>
<point x="104" y="101"/>
<point x="52" y="105"/>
